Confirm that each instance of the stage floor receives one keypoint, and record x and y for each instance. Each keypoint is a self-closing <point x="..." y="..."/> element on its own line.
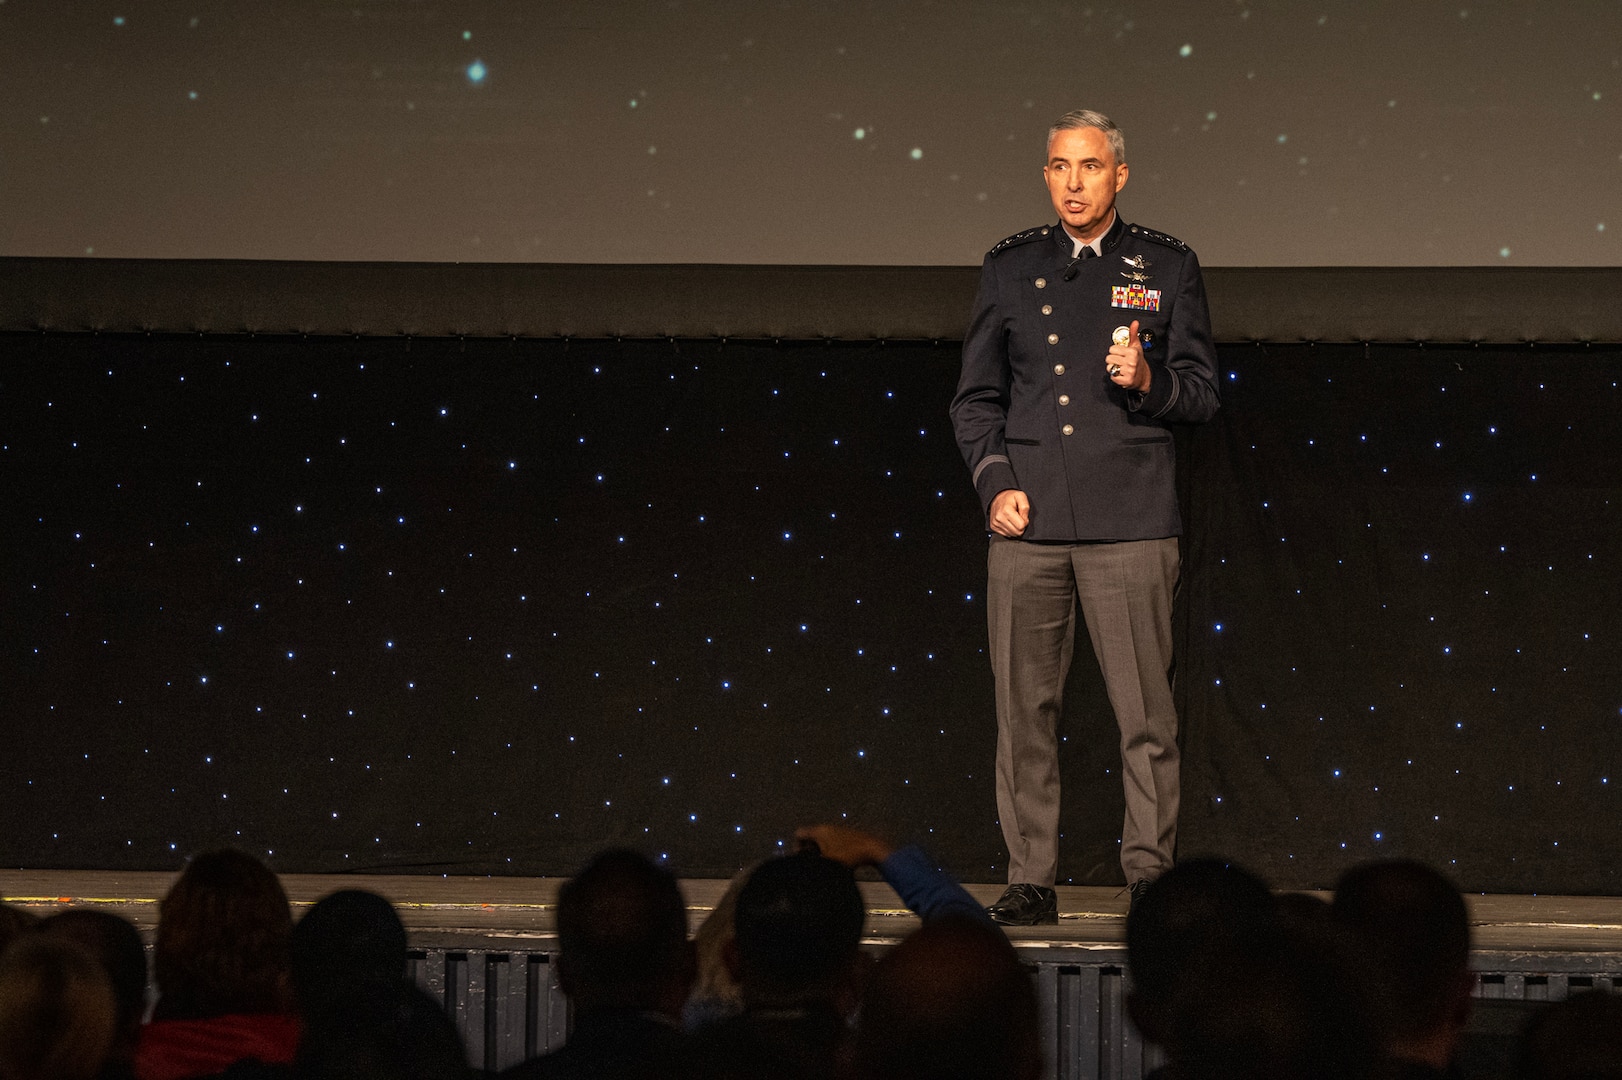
<point x="497" y="912"/>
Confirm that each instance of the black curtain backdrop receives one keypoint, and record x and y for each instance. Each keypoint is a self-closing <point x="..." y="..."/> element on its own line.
<point x="430" y="605"/>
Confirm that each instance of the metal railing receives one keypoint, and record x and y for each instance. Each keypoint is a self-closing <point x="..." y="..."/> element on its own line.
<point x="508" y="1005"/>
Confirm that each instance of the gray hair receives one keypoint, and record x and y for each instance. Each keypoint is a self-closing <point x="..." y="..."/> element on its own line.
<point x="1087" y="118"/>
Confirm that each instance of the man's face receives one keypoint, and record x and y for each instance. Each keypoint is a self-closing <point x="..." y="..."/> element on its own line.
<point x="1083" y="177"/>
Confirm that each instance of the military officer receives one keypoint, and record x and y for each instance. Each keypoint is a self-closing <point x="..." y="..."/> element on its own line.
<point x="1089" y="338"/>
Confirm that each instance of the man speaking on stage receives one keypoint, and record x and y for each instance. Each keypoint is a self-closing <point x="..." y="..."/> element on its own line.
<point x="1088" y="339"/>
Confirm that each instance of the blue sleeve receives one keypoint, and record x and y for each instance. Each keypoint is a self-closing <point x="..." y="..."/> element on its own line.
<point x="925" y="888"/>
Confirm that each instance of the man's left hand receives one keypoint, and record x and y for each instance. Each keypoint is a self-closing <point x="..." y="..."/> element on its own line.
<point x="1131" y="369"/>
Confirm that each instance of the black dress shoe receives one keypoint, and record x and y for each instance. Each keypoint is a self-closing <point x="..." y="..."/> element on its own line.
<point x="1135" y="893"/>
<point x="1024" y="904"/>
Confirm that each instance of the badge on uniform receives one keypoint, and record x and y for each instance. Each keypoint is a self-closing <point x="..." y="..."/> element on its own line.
<point x="1134" y="296"/>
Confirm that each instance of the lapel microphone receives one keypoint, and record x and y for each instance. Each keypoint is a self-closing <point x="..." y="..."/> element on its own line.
<point x="1075" y="264"/>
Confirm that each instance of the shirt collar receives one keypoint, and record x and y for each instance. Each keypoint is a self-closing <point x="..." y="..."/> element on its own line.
<point x="1104" y="241"/>
<point x="1098" y="241"/>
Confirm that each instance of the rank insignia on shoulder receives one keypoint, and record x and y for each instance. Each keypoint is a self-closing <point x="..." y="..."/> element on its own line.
<point x="1158" y="237"/>
<point x="1022" y="238"/>
<point x="1134" y="296"/>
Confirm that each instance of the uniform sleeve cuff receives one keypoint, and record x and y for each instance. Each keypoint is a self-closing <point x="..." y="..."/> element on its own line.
<point x="994" y="474"/>
<point x="1162" y="392"/>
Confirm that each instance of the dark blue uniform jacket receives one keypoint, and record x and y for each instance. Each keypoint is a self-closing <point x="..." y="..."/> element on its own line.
<point x="1035" y="409"/>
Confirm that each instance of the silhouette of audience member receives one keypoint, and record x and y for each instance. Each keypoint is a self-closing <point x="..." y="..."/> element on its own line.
<point x="1291" y="1005"/>
<point x="363" y="1020"/>
<point x="922" y="886"/>
<point x="626" y="964"/>
<point x="1576" y="1039"/>
<point x="798" y="962"/>
<point x="349" y="934"/>
<point x="1411" y="925"/>
<point x="221" y="964"/>
<point x="951" y="1002"/>
<point x="1305" y="906"/>
<point x="13" y="921"/>
<point x="57" y="1013"/>
<point x="1234" y="984"/>
<point x="716" y="994"/>
<point x="928" y="891"/>
<point x="116" y="944"/>
<point x="1196" y="905"/>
